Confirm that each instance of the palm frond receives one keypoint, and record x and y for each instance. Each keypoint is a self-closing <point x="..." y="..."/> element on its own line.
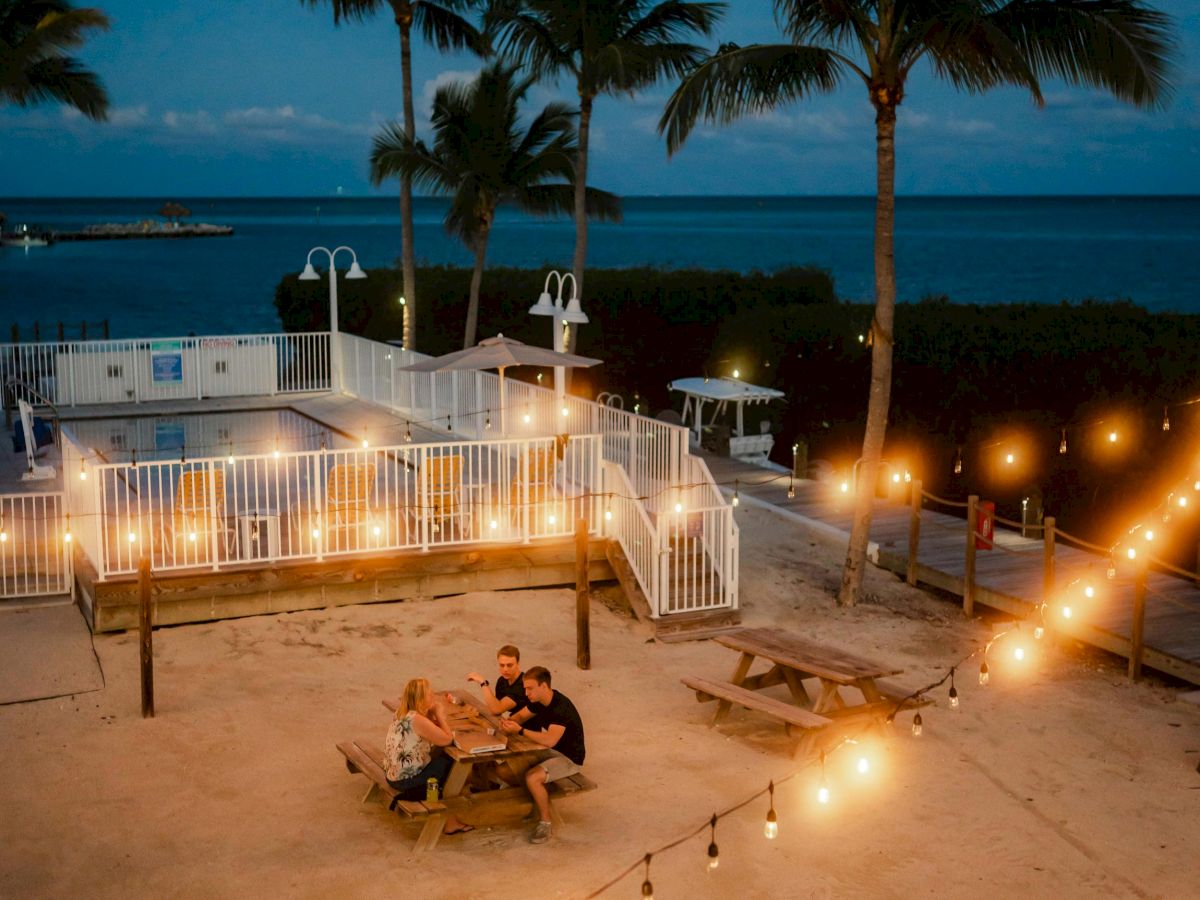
<point x="443" y="27"/>
<point x="559" y="199"/>
<point x="673" y="20"/>
<point x="1121" y="46"/>
<point x="839" y="23"/>
<point x="348" y="10"/>
<point x="739" y="81"/>
<point x="525" y="39"/>
<point x="393" y="154"/>
<point x="62" y="79"/>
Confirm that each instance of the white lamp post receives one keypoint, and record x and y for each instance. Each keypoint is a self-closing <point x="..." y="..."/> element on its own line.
<point x="571" y="314"/>
<point x="335" y="343"/>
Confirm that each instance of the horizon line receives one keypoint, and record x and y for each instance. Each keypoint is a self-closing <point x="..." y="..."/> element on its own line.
<point x="380" y="196"/>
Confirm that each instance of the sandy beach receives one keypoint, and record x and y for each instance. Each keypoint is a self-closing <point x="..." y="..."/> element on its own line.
<point x="1059" y="779"/>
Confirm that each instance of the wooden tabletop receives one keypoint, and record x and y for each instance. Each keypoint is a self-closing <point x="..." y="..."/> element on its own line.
<point x="791" y="650"/>
<point x="470" y="711"/>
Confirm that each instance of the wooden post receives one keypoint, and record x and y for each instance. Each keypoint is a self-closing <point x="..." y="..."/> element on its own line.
<point x="83" y="330"/>
<point x="914" y="533"/>
<point x="583" y="624"/>
<point x="61" y="332"/>
<point x="1139" y="623"/>
<point x="16" y="333"/>
<point x="146" y="633"/>
<point x="105" y="324"/>
<point x="1047" y="559"/>
<point x="37" y="332"/>
<point x="969" y="573"/>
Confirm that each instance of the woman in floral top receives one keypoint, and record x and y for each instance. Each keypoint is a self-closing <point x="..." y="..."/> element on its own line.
<point x="408" y="754"/>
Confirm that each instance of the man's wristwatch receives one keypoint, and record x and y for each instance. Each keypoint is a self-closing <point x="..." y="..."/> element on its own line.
<point x="484" y="683"/>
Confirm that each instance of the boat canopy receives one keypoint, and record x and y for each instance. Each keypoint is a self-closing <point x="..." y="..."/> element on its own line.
<point x="721" y="391"/>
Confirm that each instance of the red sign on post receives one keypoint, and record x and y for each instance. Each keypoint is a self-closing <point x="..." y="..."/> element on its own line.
<point x="985" y="524"/>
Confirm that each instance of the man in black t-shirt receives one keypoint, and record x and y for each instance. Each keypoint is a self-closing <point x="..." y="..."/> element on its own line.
<point x="509" y="695"/>
<point x="551" y="720"/>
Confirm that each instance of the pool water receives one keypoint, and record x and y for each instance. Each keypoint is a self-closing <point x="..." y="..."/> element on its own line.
<point x="201" y="435"/>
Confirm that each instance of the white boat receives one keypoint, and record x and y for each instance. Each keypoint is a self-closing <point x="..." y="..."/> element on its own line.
<point x="25" y="236"/>
<point x="751" y="448"/>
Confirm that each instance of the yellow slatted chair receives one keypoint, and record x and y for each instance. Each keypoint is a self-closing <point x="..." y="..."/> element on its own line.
<point x="444" y="491"/>
<point x="539" y="464"/>
<point x="199" y="511"/>
<point x="348" y="492"/>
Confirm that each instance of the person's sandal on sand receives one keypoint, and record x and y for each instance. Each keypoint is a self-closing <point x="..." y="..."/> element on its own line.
<point x="540" y="834"/>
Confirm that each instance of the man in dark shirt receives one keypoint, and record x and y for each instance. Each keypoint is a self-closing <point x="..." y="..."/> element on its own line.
<point x="551" y="720"/>
<point x="509" y="695"/>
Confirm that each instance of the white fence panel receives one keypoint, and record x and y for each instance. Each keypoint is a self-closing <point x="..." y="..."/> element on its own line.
<point x="34" y="559"/>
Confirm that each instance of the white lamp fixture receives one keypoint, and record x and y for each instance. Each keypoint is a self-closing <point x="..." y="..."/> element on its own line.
<point x="572" y="314"/>
<point x="310" y="274"/>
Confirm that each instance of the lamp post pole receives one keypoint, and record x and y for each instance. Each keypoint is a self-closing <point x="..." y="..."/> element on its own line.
<point x="335" y="343"/>
<point x="571" y="313"/>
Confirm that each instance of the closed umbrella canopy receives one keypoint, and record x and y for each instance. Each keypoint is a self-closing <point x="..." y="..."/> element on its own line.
<point x="500" y="352"/>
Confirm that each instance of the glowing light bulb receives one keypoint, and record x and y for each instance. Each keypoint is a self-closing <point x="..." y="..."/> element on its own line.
<point x="896" y="478"/>
<point x="229" y="460"/>
<point x="493" y="524"/>
<point x="1183" y="501"/>
<point x="566" y="412"/>
<point x="1089" y="592"/>
<point x="82" y="472"/>
<point x="771" y="826"/>
<point x="823" y="793"/>
<point x="984" y="677"/>
<point x="403" y="302"/>
<point x="1018" y="653"/>
<point x="1112" y="437"/>
<point x="1196" y="485"/>
<point x="3" y="537"/>
<point x="552" y="518"/>
<point x="845" y="487"/>
<point x="953" y="697"/>
<point x="1009" y="458"/>
<point x="377" y="531"/>
<point x="276" y="453"/>
<point x="67" y="537"/>
<point x="736" y="501"/>
<point x="132" y="537"/>
<point x="488" y="424"/>
<point x="526" y="417"/>
<point x="678" y="507"/>
<point x="863" y="766"/>
<point x="1131" y="553"/>
<point x="1066" y="612"/>
<point x="192" y="536"/>
<point x="316" y="533"/>
<point x="608" y="515"/>
<point x="714" y="858"/>
<point x="907" y="477"/>
<point x="647" y="890"/>
<point x="736" y="373"/>
<point x="862" y="338"/>
<point x="365" y="443"/>
<point x="1112" y="569"/>
<point x="791" y="494"/>
<point x="1166" y="426"/>
<point x="918" y="726"/>
<point x="1062" y="445"/>
<point x="1039" y="633"/>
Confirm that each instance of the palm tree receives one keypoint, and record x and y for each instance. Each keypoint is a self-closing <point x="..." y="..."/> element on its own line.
<point x="607" y="47"/>
<point x="1120" y="46"/>
<point x="33" y="67"/>
<point x="481" y="159"/>
<point x="444" y="27"/>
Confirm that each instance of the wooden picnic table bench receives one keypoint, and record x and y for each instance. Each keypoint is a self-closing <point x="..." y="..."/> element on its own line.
<point x="817" y="720"/>
<point x="365" y="756"/>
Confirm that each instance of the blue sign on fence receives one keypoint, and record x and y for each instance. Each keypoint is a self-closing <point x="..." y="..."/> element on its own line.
<point x="166" y="362"/>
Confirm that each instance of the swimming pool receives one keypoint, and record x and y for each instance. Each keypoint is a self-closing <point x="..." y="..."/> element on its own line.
<point x="200" y="435"/>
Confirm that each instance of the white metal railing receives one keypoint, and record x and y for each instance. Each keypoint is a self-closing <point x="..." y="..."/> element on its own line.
<point x="693" y="557"/>
<point x="218" y="512"/>
<point x="76" y="373"/>
<point x="34" y="559"/>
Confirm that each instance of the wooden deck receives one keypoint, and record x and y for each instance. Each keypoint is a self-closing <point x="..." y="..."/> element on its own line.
<point x="1008" y="577"/>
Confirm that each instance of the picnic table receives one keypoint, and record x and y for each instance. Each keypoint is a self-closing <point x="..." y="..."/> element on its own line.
<point x="844" y="693"/>
<point x="484" y="806"/>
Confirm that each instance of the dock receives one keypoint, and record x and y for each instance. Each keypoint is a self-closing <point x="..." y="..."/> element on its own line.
<point x="1010" y="577"/>
<point x="136" y="232"/>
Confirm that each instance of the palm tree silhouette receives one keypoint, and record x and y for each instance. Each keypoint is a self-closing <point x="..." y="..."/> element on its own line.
<point x="481" y="159"/>
<point x="33" y="67"/>
<point x="1117" y="45"/>
<point x="607" y="47"/>
<point x="444" y="27"/>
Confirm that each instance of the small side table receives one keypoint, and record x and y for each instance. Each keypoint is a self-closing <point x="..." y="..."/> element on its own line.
<point x="258" y="534"/>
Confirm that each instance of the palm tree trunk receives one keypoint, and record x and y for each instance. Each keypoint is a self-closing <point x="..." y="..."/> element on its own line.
<point x="481" y="242"/>
<point x="881" y="353"/>
<point x="581" y="223"/>
<point x="407" y="263"/>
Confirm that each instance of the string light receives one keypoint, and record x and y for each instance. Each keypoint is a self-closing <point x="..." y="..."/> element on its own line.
<point x="275" y="453"/>
<point x="133" y="458"/>
<point x="917" y="725"/>
<point x="1038" y="633"/>
<point x="526" y="417"/>
<point x="82" y="471"/>
<point x="407" y="431"/>
<point x="845" y="486"/>
<point x="953" y="691"/>
<point x="1089" y="592"/>
<point x="863" y="766"/>
<point x="182" y="455"/>
<point x="487" y="425"/>
<point x="449" y="424"/>
<point x="1019" y="653"/>
<point x="1066" y="612"/>
<point x="1166" y="425"/>
<point x="958" y="462"/>
<point x="608" y="515"/>
<point x="823" y="790"/>
<point x="3" y="532"/>
<point x="771" y="825"/>
<point x="67" y="529"/>
<point x="647" y="887"/>
<point x="984" y="677"/>
<point x="229" y="460"/>
<point x="565" y="412"/>
<point x="791" y="494"/>
<point x="714" y="856"/>
<point x="1009" y="458"/>
<point x="365" y="442"/>
<point x="1112" y="437"/>
<point x="1111" y="572"/>
<point x="736" y="500"/>
<point x="1131" y="553"/>
<point x="1062" y="445"/>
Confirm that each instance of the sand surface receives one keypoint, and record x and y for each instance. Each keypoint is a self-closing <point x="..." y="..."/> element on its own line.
<point x="1060" y="779"/>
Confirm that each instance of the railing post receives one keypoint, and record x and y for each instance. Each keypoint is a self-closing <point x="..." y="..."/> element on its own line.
<point x="969" y="572"/>
<point x="423" y="476"/>
<point x="914" y="534"/>
<point x="524" y="464"/>
<point x="199" y="363"/>
<point x="146" y="638"/>
<point x="583" y="625"/>
<point x="1139" y="622"/>
<point x="318" y="487"/>
<point x="216" y="526"/>
<point x="1047" y="559"/>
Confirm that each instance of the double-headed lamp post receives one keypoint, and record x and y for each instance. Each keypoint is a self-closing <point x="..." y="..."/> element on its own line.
<point x="310" y="274"/>
<point x="571" y="314"/>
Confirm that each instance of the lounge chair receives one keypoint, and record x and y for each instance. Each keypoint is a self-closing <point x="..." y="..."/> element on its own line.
<point x="442" y="491"/>
<point x="348" y="493"/>
<point x="198" y="515"/>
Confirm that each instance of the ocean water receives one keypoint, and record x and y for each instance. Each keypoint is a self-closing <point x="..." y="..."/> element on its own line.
<point x="974" y="250"/>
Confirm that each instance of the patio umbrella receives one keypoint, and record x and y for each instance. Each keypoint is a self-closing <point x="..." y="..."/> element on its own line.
<point x="500" y="352"/>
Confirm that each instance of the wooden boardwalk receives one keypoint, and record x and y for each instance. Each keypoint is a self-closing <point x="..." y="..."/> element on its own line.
<point x="1008" y="577"/>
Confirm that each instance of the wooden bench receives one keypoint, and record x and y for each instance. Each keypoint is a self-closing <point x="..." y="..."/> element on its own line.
<point x="365" y="757"/>
<point x="707" y="689"/>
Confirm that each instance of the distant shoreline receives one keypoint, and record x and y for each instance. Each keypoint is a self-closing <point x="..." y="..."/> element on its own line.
<point x="334" y="198"/>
